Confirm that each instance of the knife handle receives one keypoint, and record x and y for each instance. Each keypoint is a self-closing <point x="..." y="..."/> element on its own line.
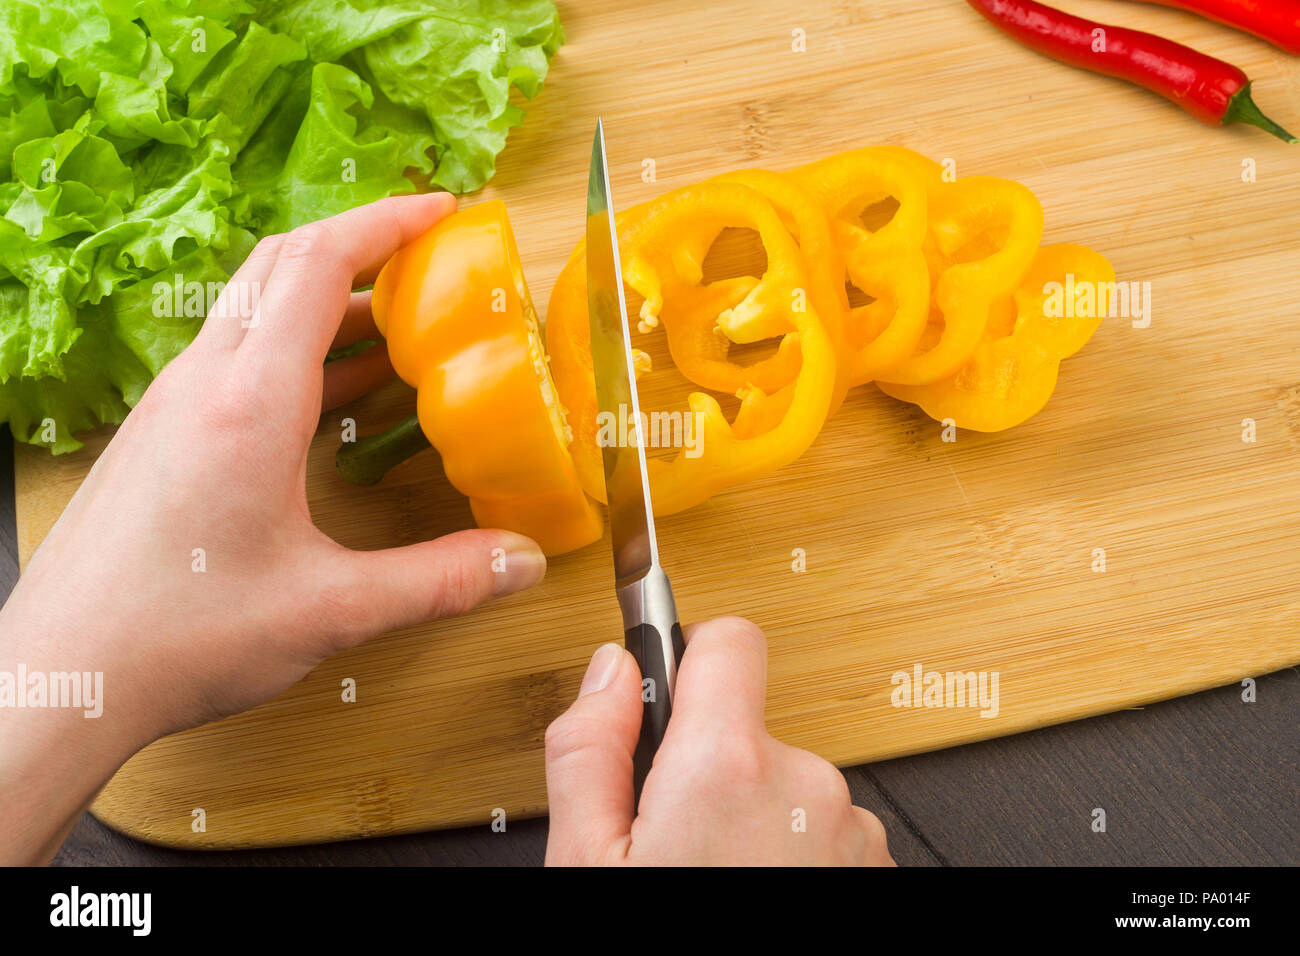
<point x="655" y="641"/>
<point x="647" y="646"/>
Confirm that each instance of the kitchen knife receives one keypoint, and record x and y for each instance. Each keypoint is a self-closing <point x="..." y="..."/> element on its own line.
<point x="651" y="631"/>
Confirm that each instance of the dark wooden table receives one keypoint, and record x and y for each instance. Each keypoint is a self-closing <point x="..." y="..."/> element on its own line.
<point x="1206" y="779"/>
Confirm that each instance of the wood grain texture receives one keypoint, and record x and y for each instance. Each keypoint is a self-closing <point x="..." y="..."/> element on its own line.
<point x="974" y="555"/>
<point x="1201" y="780"/>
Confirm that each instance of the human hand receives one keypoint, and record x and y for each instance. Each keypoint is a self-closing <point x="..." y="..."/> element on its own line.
<point x="722" y="791"/>
<point x="213" y="458"/>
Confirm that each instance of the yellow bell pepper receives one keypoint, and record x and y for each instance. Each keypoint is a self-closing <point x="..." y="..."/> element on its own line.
<point x="461" y="329"/>
<point x="982" y="234"/>
<point x="932" y="267"/>
<point x="884" y="260"/>
<point x="1012" y="372"/>
<point x="957" y="319"/>
<point x="663" y="244"/>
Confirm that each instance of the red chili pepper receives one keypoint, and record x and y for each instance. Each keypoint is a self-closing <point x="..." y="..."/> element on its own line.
<point x="1277" y="21"/>
<point x="1213" y="91"/>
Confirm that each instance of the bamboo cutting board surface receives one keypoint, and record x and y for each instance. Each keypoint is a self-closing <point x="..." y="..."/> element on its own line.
<point x="975" y="555"/>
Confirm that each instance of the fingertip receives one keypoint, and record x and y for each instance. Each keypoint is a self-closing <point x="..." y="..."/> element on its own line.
<point x="442" y="205"/>
<point x="604" y="668"/>
<point x="517" y="563"/>
<point x="728" y="626"/>
<point x="349" y="378"/>
<point x="446" y="201"/>
<point x="437" y="205"/>
<point x="723" y="674"/>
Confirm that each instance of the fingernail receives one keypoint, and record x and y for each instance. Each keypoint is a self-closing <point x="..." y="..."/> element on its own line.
<point x="517" y="563"/>
<point x="604" y="665"/>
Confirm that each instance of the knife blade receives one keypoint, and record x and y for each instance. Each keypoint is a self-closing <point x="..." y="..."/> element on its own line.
<point x="651" y="630"/>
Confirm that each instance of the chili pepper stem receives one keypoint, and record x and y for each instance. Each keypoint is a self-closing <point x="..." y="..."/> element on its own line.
<point x="365" y="462"/>
<point x="1242" y="109"/>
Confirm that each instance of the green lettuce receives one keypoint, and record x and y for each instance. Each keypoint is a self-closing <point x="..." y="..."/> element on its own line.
<point x="145" y="144"/>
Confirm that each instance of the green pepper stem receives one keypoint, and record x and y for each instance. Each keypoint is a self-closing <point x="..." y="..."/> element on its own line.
<point x="366" y="461"/>
<point x="1242" y="109"/>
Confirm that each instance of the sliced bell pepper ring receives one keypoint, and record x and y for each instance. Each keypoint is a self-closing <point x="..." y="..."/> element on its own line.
<point x="804" y="220"/>
<point x="690" y="316"/>
<point x="886" y="263"/>
<point x="982" y="234"/>
<point x="1013" y="371"/>
<point x="1058" y="270"/>
<point x="699" y="348"/>
<point x="461" y="329"/>
<point x="663" y="244"/>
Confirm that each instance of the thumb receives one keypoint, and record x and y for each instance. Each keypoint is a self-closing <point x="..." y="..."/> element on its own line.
<point x="589" y="763"/>
<point x="444" y="577"/>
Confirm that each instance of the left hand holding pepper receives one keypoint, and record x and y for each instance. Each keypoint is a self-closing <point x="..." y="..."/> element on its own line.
<point x="214" y="458"/>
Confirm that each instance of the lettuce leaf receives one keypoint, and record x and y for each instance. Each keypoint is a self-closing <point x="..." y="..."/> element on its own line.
<point x="330" y="164"/>
<point x="145" y="144"/>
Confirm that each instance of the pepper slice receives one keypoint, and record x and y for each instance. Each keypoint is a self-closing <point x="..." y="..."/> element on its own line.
<point x="982" y="235"/>
<point x="946" y="252"/>
<point x="690" y="316"/>
<point x="699" y="348"/>
<point x="462" y="330"/>
<point x="663" y="244"/>
<point x="884" y="261"/>
<point x="1012" y="373"/>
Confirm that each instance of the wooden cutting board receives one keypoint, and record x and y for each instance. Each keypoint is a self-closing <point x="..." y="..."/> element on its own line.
<point x="975" y="555"/>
